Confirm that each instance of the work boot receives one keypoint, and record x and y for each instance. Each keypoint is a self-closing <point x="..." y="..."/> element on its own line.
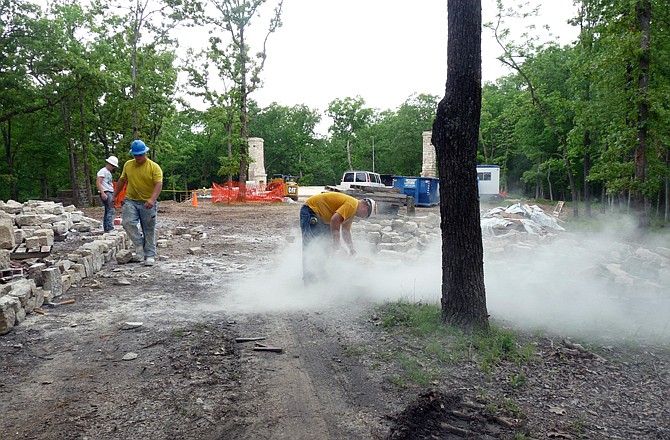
<point x="150" y="261"/>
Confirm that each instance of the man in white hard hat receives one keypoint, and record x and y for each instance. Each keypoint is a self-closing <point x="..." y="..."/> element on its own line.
<point x="329" y="214"/>
<point x="104" y="182"/>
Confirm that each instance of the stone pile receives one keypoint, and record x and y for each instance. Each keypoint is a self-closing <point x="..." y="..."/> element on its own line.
<point x="519" y="217"/>
<point x="398" y="237"/>
<point x="405" y="236"/>
<point x="37" y="224"/>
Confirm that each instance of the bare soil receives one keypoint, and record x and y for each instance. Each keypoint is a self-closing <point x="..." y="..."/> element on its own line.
<point x="63" y="375"/>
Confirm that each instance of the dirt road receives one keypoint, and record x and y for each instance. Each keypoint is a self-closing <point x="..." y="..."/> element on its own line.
<point x="89" y="370"/>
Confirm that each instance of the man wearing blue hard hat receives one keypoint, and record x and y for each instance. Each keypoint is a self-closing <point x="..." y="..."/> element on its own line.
<point x="145" y="181"/>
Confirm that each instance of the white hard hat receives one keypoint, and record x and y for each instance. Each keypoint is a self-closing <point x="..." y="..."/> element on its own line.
<point x="372" y="207"/>
<point x="113" y="160"/>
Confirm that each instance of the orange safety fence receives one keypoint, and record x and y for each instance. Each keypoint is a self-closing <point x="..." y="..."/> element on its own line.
<point x="254" y="192"/>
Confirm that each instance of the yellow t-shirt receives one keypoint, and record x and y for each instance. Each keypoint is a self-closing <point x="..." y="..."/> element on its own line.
<point x="325" y="205"/>
<point x="141" y="179"/>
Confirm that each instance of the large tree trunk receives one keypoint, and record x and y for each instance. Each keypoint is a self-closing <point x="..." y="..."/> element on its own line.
<point x="455" y="136"/>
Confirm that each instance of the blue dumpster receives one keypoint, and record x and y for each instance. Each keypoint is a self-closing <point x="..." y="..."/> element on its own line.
<point x="425" y="190"/>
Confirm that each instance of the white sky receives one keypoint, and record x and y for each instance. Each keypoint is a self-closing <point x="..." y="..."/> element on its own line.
<point x="381" y="50"/>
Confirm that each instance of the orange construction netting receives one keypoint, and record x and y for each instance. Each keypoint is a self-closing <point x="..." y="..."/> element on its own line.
<point x="254" y="193"/>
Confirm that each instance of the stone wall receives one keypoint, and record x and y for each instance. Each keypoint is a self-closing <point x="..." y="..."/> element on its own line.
<point x="41" y="281"/>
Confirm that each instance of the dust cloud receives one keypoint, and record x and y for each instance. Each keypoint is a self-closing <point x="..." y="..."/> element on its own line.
<point x="606" y="285"/>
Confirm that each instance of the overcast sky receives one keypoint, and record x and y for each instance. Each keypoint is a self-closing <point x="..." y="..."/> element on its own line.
<point x="380" y="50"/>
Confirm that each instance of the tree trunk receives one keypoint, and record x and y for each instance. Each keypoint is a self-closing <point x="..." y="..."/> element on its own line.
<point x="71" y="154"/>
<point x="244" y="143"/>
<point x="587" y="170"/>
<point x="9" y="157"/>
<point x="84" y="149"/>
<point x="640" y="201"/>
<point x="455" y="136"/>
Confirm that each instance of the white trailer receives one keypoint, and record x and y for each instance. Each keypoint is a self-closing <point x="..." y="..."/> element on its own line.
<point x="488" y="180"/>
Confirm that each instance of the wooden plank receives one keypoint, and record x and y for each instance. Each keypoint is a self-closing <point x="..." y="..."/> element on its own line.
<point x="21" y="253"/>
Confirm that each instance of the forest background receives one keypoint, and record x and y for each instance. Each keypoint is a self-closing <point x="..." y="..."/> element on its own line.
<point x="586" y="122"/>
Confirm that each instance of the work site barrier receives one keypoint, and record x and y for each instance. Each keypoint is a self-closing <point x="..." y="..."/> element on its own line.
<point x="229" y="192"/>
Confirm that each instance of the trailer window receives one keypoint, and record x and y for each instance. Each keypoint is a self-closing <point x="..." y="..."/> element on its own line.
<point x="483" y="176"/>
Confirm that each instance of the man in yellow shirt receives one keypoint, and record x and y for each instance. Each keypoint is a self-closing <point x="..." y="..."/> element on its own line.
<point x="329" y="213"/>
<point x="145" y="181"/>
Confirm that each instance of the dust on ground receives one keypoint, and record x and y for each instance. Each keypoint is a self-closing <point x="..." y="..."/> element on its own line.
<point x="88" y="371"/>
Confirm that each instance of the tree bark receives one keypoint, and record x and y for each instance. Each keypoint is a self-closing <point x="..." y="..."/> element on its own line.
<point x="455" y="137"/>
<point x="640" y="201"/>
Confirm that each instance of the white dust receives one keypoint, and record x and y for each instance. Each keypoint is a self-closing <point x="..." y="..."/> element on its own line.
<point x="577" y="285"/>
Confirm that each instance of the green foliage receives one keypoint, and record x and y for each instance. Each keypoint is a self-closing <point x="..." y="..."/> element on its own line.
<point x="107" y="71"/>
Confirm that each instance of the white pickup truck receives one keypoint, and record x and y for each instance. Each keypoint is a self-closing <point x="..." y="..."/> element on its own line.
<point x="360" y="178"/>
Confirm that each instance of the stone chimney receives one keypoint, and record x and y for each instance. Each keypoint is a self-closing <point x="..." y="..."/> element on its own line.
<point x="257" y="163"/>
<point x="429" y="165"/>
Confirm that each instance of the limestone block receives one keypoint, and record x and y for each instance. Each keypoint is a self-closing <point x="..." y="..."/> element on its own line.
<point x="64" y="265"/>
<point x="397" y="224"/>
<point x="19" y="235"/>
<point x="66" y="282"/>
<point x="124" y="256"/>
<point x="33" y="243"/>
<point x="47" y="219"/>
<point x="196" y="251"/>
<point x="82" y="227"/>
<point x="373" y="227"/>
<point x="4" y="258"/>
<point x="161" y="243"/>
<point x="80" y="272"/>
<point x="46" y="236"/>
<point x="11" y="207"/>
<point x="411" y="228"/>
<point x="22" y="289"/>
<point x="39" y="297"/>
<point x="374" y="237"/>
<point x="20" y="316"/>
<point x="47" y="296"/>
<point x="52" y="281"/>
<point x="30" y="230"/>
<point x="60" y="227"/>
<point x="7" y="238"/>
<point x="73" y="276"/>
<point x="87" y="261"/>
<point x="27" y="220"/>
<point x="8" y="306"/>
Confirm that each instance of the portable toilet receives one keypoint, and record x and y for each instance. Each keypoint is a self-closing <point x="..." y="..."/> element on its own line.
<point x="488" y="181"/>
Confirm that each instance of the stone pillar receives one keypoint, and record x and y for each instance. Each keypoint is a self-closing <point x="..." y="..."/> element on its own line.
<point x="429" y="164"/>
<point x="257" y="162"/>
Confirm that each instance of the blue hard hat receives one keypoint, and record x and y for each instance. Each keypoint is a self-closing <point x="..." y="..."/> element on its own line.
<point x="137" y="148"/>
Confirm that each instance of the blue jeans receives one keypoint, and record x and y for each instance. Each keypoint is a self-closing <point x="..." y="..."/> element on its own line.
<point x="135" y="213"/>
<point x="312" y="229"/>
<point x="108" y="219"/>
